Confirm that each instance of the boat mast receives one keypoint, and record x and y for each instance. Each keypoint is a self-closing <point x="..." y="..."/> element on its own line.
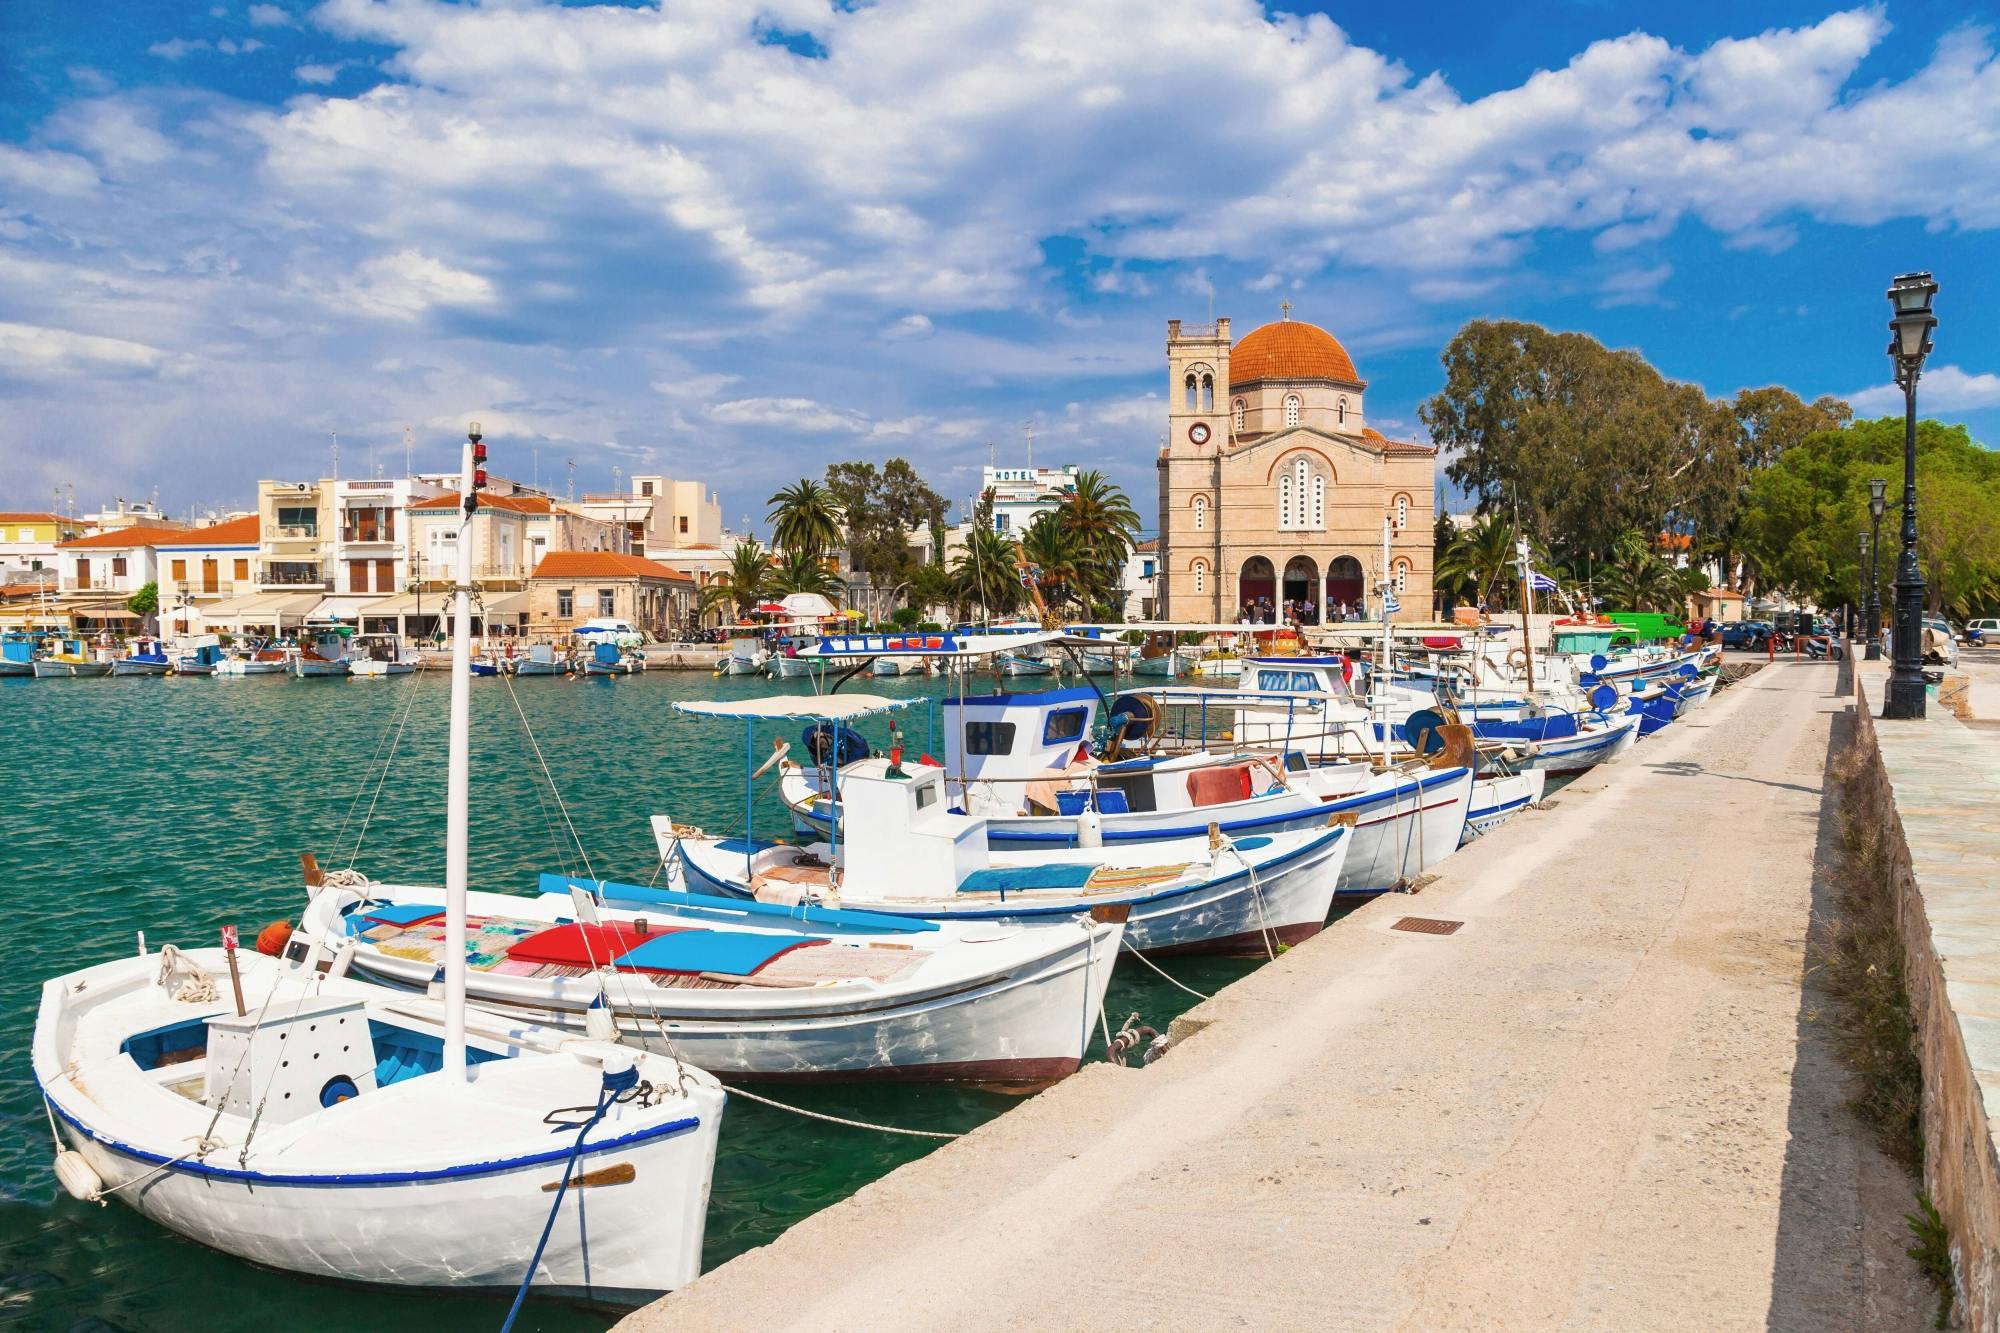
<point x="1382" y="671"/>
<point x="1527" y="608"/>
<point x="458" y="778"/>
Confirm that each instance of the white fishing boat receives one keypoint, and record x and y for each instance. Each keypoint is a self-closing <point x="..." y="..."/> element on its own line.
<point x="541" y="659"/>
<point x="1498" y="797"/>
<point x="200" y="656"/>
<point x="144" y="658"/>
<point x="270" y="659"/>
<point x="17" y="652"/>
<point x="312" y="1123"/>
<point x="746" y="656"/>
<point x="323" y="655"/>
<point x="376" y="656"/>
<point x="885" y="666"/>
<point x="605" y="658"/>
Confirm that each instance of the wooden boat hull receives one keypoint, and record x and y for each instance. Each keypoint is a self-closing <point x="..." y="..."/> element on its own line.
<point x="49" y="668"/>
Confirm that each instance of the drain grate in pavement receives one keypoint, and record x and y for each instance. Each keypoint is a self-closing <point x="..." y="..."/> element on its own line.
<point x="1427" y="925"/>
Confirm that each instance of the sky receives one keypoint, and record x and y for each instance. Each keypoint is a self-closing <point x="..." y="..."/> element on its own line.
<point x="739" y="241"/>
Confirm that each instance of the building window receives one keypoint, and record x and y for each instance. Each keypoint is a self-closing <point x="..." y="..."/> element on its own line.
<point x="1208" y="393"/>
<point x="1318" y="523"/>
<point x="242" y="571"/>
<point x="1291" y="409"/>
<point x="1200" y="576"/>
<point x="1285" y="499"/>
<point x="1190" y="392"/>
<point x="306" y="520"/>
<point x="1301" y="497"/>
<point x="684" y="525"/>
<point x="607" y="601"/>
<point x="999" y="522"/>
<point x="1341" y="412"/>
<point x="1200" y="512"/>
<point x="180" y="571"/>
<point x="117" y="566"/>
<point x="646" y="490"/>
<point x="565" y="603"/>
<point x="1402" y="571"/>
<point x="1241" y="412"/>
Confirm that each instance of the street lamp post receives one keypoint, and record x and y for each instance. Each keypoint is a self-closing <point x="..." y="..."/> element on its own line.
<point x="1909" y="343"/>
<point x="1877" y="502"/>
<point x="1861" y="603"/>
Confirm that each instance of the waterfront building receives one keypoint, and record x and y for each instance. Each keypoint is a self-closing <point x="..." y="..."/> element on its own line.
<point x="100" y="573"/>
<point x="660" y="514"/>
<point x="1272" y="485"/>
<point x="1022" y="493"/>
<point x="1138" y="579"/>
<point x="201" y="569"/>
<point x="568" y="588"/>
<point x="28" y="539"/>
<point x="125" y="513"/>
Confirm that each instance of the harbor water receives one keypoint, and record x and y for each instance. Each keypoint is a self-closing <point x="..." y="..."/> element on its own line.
<point x="177" y="805"/>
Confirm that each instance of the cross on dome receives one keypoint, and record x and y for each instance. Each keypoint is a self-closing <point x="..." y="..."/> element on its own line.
<point x="1285" y="308"/>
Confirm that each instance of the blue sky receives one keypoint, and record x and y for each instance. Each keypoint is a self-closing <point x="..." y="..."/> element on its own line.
<point x="739" y="241"/>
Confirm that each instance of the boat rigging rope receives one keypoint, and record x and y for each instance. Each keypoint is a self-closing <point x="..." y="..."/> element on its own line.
<point x="394" y="739"/>
<point x="548" y="777"/>
<point x="614" y="1084"/>
<point x="839" y="1120"/>
<point x="1128" y="947"/>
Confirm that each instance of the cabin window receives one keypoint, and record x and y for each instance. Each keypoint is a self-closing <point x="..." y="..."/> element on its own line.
<point x="1272" y="680"/>
<point x="989" y="738"/>
<point x="1303" y="680"/>
<point x="1064" y="724"/>
<point x="927" y="795"/>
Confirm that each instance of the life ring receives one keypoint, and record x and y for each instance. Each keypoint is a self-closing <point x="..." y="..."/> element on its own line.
<point x="1517" y="658"/>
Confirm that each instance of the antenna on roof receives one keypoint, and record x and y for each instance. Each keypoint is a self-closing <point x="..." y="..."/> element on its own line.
<point x="336" y="453"/>
<point x="571" y="462"/>
<point x="537" y="451"/>
<point x="406" y="451"/>
<point x="1031" y="444"/>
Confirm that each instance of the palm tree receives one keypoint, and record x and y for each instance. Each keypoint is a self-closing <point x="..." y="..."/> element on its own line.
<point x="1477" y="564"/>
<point x="1056" y="555"/>
<point x="805" y="517"/>
<point x="743" y="582"/>
<point x="984" y="575"/>
<point x="1102" y="526"/>
<point x="798" y="571"/>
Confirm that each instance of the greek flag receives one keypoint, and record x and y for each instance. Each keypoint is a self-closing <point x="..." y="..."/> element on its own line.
<point x="1389" y="602"/>
<point x="1540" y="582"/>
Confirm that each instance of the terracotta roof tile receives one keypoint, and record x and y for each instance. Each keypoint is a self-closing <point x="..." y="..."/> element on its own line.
<point x="236" y="532"/>
<point x="25" y="516"/>
<point x="519" y="504"/>
<point x="604" y="564"/>
<point x="120" y="539"/>
<point x="1290" y="349"/>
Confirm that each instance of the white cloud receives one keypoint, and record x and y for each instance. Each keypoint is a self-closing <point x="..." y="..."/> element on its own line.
<point x="46" y="172"/>
<point x="408" y="283"/>
<point x="316" y="73"/>
<point x="231" y="47"/>
<point x="41" y="353"/>
<point x="907" y="328"/>
<point x="1634" y="286"/>
<point x="178" y="48"/>
<point x="269" y="16"/>
<point x="791" y="413"/>
<point x="1942" y="389"/>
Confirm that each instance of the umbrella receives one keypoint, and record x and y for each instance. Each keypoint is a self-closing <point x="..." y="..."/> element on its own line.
<point x="807" y="605"/>
<point x="771" y="608"/>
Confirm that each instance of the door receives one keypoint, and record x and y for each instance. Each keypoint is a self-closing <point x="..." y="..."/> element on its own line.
<point x="211" y="576"/>
<point x="357" y="576"/>
<point x="385" y="576"/>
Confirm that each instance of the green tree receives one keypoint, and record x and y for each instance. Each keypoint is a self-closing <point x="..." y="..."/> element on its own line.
<point x="1804" y="513"/>
<point x="1056" y="560"/>
<point x="805" y="518"/>
<point x="984" y="577"/>
<point x="929" y="585"/>
<point x="800" y="571"/>
<point x="144" y="602"/>
<point x="1478" y="563"/>
<point x="1101" y="526"/>
<point x="740" y="585"/>
<point x="882" y="509"/>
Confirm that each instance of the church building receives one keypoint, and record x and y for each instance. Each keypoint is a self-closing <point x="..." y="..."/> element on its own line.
<point x="1273" y="486"/>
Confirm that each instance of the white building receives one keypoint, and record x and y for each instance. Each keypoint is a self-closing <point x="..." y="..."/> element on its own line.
<point x="1138" y="580"/>
<point x="202" y="568"/>
<point x="1020" y="493"/>
<point x="661" y="514"/>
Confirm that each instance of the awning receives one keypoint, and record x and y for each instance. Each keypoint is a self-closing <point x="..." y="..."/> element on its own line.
<point x="264" y="608"/>
<point x="102" y="611"/>
<point x="502" y="604"/>
<point x="439" y="604"/>
<point x="345" y="608"/>
<point x="918" y="643"/>
<point x="791" y="707"/>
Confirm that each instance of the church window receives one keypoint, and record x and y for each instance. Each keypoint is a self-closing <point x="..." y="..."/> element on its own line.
<point x="1240" y="412"/>
<point x="1200" y="576"/>
<point x="1285" y="499"/>
<point x="1190" y="391"/>
<point x="1200" y="512"/>
<point x="1291" y="409"/>
<point x="1301" y="496"/>
<point x="1402" y="512"/>
<point x="1342" y="410"/>
<point x="1318" y="523"/>
<point x="1208" y="393"/>
<point x="1402" y="568"/>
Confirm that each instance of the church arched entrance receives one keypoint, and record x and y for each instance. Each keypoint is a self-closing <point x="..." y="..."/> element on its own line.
<point x="1257" y="586"/>
<point x="1302" y="587"/>
<point x="1344" y="583"/>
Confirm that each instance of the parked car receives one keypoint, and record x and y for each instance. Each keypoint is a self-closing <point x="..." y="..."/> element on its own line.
<point x="1746" y="634"/>
<point x="1985" y="630"/>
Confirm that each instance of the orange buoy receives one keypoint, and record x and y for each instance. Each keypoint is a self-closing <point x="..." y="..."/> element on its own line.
<point x="271" y="940"/>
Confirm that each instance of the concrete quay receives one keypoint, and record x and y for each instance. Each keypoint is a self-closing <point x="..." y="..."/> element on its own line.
<point x="1944" y="778"/>
<point x="1603" y="1102"/>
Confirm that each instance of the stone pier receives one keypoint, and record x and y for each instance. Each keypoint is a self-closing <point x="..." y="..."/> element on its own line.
<point x="1603" y="1101"/>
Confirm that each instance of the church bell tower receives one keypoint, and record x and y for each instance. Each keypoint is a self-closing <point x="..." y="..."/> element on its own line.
<point x="1198" y="421"/>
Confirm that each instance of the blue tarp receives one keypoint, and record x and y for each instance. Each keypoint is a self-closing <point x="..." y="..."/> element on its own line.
<point x="1003" y="879"/>
<point x="818" y="918"/>
<point x="729" y="952"/>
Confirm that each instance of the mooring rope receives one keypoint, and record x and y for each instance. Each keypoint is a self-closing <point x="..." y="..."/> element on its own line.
<point x="1127" y="946"/>
<point x="839" y="1120"/>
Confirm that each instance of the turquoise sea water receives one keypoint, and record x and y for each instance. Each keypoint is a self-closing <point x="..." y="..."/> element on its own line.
<point x="179" y="804"/>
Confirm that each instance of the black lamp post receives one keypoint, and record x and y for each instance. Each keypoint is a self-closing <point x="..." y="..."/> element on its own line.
<point x="1909" y="343"/>
<point x="1861" y="603"/>
<point x="1877" y="502"/>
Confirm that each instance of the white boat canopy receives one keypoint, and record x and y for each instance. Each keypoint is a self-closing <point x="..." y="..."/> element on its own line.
<point x="1185" y="627"/>
<point x="792" y="707"/>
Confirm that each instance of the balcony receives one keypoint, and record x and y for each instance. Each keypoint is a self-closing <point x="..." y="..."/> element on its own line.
<point x="291" y="576"/>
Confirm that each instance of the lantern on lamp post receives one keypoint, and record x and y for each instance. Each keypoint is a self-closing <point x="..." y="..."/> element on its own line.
<point x="1910" y="296"/>
<point x="1877" y="502"/>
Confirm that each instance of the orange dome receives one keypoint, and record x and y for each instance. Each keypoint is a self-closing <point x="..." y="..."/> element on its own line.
<point x="1290" y="349"/>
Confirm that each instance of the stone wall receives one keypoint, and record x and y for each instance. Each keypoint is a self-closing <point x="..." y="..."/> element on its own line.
<point x="1955" y="1010"/>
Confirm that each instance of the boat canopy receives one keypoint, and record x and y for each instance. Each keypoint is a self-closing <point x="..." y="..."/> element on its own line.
<point x="793" y="707"/>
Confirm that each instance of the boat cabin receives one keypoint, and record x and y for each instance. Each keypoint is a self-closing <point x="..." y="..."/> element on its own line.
<point x="1016" y="736"/>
